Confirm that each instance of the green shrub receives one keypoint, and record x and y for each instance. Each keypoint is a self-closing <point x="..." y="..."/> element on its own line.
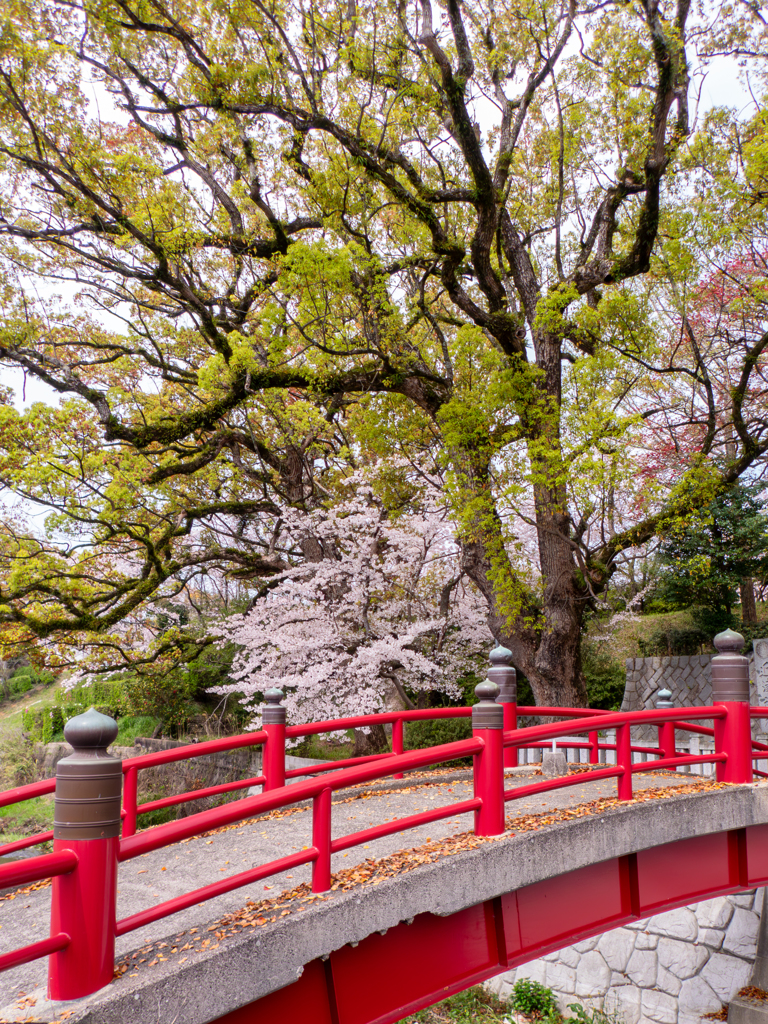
<point x="17" y="764"/>
<point x="604" y="676"/>
<point x="23" y="679"/>
<point x="534" y="1000"/>
<point x="135" y="725"/>
<point x="674" y="641"/>
<point x="167" y="696"/>
<point x="419" y="735"/>
<point x="20" y="684"/>
<point x="473" y="1006"/>
<point x="158" y="817"/>
<point x="43" y="724"/>
<point x="320" y="749"/>
<point x="106" y="695"/>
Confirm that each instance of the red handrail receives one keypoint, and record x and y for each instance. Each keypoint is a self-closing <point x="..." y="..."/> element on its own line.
<point x="193" y="750"/>
<point x="35" y="951"/>
<point x="208" y="892"/>
<point x="24" y="872"/>
<point x="48" y="865"/>
<point x="397" y="718"/>
<point x="28" y="792"/>
<point x="174" y="831"/>
<point x="486" y="746"/>
<point x="24" y="844"/>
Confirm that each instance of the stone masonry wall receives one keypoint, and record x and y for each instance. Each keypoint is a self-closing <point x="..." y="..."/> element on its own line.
<point x="666" y="969"/>
<point x="169" y="779"/>
<point x="689" y="680"/>
<point x="687" y="677"/>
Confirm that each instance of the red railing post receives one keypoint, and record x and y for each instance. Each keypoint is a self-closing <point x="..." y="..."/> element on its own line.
<point x="487" y="723"/>
<point x="321" y="840"/>
<point x="666" y="730"/>
<point x="130" y="801"/>
<point x="397" y="741"/>
<point x="273" y="718"/>
<point x="594" y="748"/>
<point x="87" y="822"/>
<point x="730" y="690"/>
<point x="504" y="676"/>
<point x="624" y="760"/>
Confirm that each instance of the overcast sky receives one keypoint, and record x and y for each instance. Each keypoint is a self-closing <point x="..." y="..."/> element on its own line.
<point x="724" y="85"/>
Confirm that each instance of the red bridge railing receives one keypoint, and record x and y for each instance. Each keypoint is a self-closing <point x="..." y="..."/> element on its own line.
<point x="88" y="848"/>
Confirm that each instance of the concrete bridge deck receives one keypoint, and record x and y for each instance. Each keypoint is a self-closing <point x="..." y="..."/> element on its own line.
<point x="158" y="961"/>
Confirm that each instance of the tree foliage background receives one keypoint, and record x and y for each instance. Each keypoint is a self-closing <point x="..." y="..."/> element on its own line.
<point x="481" y="249"/>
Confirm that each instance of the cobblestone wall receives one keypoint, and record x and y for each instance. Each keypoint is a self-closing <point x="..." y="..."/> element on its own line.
<point x="687" y="677"/>
<point x="666" y="969"/>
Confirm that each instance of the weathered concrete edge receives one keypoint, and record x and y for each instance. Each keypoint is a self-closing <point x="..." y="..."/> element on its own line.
<point x="222" y="980"/>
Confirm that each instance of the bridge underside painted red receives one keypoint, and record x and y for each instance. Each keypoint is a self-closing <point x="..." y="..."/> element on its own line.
<point x="386" y="977"/>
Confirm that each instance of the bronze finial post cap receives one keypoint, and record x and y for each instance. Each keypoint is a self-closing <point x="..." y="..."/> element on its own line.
<point x="487" y="714"/>
<point x="274" y="712"/>
<point x="91" y="733"/>
<point x="730" y="669"/>
<point x="89" y="782"/>
<point x="503" y="674"/>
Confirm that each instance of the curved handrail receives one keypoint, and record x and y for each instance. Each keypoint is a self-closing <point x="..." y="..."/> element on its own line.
<point x="332" y="777"/>
<point x="203" y="821"/>
<point x="600" y="718"/>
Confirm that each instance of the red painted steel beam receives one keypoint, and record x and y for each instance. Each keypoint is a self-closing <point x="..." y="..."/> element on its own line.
<point x="24" y="844"/>
<point x="34" y="951"/>
<point x="49" y="865"/>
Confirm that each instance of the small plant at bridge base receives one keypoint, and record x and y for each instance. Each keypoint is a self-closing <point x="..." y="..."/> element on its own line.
<point x="534" y="1000"/>
<point x="473" y="1006"/>
<point x="592" y="1016"/>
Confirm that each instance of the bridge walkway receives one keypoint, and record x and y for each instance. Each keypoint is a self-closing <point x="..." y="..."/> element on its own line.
<point x="196" y="862"/>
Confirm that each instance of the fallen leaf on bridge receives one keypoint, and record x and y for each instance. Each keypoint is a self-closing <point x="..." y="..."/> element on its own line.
<point x="44" y="884"/>
<point x="374" y="872"/>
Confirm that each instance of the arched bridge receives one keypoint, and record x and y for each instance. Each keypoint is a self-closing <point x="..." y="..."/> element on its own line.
<point x="379" y="951"/>
<point x="371" y="955"/>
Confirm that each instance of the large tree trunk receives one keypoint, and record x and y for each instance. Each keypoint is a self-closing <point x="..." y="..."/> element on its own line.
<point x="543" y="634"/>
<point x="546" y="640"/>
<point x="373" y="742"/>
<point x="748" y="609"/>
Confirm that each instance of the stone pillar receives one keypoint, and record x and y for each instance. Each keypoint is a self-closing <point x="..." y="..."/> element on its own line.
<point x="742" y="1010"/>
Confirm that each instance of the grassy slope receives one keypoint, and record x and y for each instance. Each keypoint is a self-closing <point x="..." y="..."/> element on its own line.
<point x="622" y="640"/>
<point x="38" y="697"/>
<point x="25" y="819"/>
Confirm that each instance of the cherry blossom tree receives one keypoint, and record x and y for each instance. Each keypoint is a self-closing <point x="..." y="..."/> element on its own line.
<point x="382" y="613"/>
